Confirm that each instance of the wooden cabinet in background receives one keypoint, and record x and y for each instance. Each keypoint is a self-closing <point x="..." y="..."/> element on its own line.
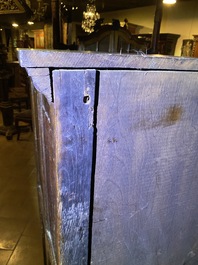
<point x="166" y="45"/>
<point x="195" y="46"/>
<point x="39" y="39"/>
<point x="190" y="47"/>
<point x="120" y="40"/>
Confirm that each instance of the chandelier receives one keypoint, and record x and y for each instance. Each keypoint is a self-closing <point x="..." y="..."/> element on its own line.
<point x="40" y="13"/>
<point x="89" y="17"/>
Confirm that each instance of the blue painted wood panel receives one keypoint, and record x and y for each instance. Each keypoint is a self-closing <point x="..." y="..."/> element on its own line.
<point x="74" y="93"/>
<point x="146" y="179"/>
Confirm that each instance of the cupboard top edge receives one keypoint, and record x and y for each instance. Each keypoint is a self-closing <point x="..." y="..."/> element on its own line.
<point x="31" y="58"/>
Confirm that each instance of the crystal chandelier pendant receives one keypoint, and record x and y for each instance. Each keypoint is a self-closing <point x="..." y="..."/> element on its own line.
<point x="89" y="17"/>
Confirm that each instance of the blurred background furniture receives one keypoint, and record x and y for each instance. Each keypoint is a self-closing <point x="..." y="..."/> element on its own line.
<point x="110" y="38"/>
<point x="6" y="74"/>
<point x="195" y="46"/>
<point x="14" y="94"/>
<point x="19" y="95"/>
<point x="116" y="39"/>
<point x="23" y="121"/>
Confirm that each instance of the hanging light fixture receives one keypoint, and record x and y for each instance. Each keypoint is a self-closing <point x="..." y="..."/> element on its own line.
<point x="169" y="2"/>
<point x="89" y="17"/>
<point x="40" y="12"/>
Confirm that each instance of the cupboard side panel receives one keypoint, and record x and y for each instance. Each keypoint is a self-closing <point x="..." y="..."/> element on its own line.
<point x="52" y="229"/>
<point x="43" y="120"/>
<point x="146" y="179"/>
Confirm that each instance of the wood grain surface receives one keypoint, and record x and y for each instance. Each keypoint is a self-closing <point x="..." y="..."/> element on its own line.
<point x="145" y="199"/>
<point x="117" y="139"/>
<point x="74" y="93"/>
<point x="73" y="59"/>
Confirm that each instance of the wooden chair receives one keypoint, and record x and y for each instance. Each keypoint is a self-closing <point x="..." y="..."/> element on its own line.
<point x="24" y="117"/>
<point x="19" y="96"/>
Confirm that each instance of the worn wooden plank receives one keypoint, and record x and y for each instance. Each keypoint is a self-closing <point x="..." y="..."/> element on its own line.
<point x="74" y="59"/>
<point x="74" y="93"/>
<point x="41" y="76"/>
<point x="145" y="195"/>
<point x="43" y="121"/>
<point x="46" y="164"/>
<point x="50" y="182"/>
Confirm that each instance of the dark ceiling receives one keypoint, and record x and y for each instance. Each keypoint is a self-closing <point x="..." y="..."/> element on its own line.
<point x="105" y="5"/>
<point x="113" y="5"/>
<point x="73" y="9"/>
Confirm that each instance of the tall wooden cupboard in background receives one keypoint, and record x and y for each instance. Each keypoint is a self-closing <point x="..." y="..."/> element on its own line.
<point x="116" y="145"/>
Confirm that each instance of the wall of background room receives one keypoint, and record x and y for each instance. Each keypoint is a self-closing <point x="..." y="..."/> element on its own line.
<point x="181" y="18"/>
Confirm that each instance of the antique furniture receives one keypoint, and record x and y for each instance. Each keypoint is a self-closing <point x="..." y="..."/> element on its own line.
<point x="195" y="46"/>
<point x="9" y="96"/>
<point x="110" y="39"/>
<point x="5" y="105"/>
<point x="116" y="143"/>
<point x="19" y="95"/>
<point x="190" y="47"/>
<point x="187" y="48"/>
<point x="166" y="45"/>
<point x="6" y="109"/>
<point x="24" y="117"/>
<point x="14" y="93"/>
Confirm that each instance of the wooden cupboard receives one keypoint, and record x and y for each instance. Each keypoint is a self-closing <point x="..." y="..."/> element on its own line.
<point x="116" y="145"/>
<point x="195" y="46"/>
<point x="120" y="40"/>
